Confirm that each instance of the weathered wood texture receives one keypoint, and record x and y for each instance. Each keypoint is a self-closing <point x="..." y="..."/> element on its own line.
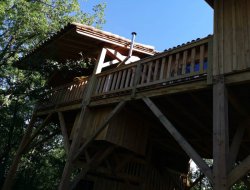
<point x="188" y="61"/>
<point x="133" y="175"/>
<point x="231" y="36"/>
<point x="220" y="135"/>
<point x="125" y="129"/>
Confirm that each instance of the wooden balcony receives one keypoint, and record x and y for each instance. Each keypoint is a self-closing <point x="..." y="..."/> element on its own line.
<point x="180" y="65"/>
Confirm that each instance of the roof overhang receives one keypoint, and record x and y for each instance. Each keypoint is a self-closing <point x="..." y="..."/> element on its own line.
<point x="210" y="2"/>
<point x="74" y="39"/>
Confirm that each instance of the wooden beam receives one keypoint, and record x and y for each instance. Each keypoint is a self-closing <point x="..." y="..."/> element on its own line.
<point x="68" y="168"/>
<point x="100" y="62"/>
<point x="180" y="139"/>
<point x="235" y="146"/>
<point x="93" y="163"/>
<point x="238" y="172"/>
<point x="115" y="111"/>
<point x="220" y="135"/>
<point x="64" y="132"/>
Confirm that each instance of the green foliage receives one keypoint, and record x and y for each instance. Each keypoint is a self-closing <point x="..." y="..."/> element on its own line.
<point x="23" y="25"/>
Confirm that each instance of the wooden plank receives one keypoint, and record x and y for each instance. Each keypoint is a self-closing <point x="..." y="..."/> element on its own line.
<point x="64" y="132"/>
<point x="144" y="71"/>
<point x="176" y="67"/>
<point x="128" y="77"/>
<point x="101" y="90"/>
<point x="180" y="139"/>
<point x="124" y="72"/>
<point x="193" y="55"/>
<point x="202" y="56"/>
<point x="163" y="66"/>
<point x="184" y="62"/>
<point x="97" y="90"/>
<point x="239" y="171"/>
<point x="149" y="71"/>
<point x="114" y="81"/>
<point x="100" y="129"/>
<point x="118" y="81"/>
<point x="156" y="70"/>
<point x="220" y="134"/>
<point x="169" y="67"/>
<point x="108" y="82"/>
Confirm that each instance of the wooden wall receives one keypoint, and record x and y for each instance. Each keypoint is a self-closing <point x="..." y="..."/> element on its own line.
<point x="147" y="177"/>
<point x="127" y="129"/>
<point x="231" y="36"/>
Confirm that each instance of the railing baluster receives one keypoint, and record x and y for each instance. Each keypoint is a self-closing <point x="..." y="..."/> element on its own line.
<point x="184" y="62"/>
<point x="156" y="70"/>
<point x="193" y="53"/>
<point x="202" y="49"/>
<point x="114" y="81"/>
<point x="128" y="77"/>
<point x="144" y="71"/>
<point x="124" y="72"/>
<point x="118" y="80"/>
<point x="98" y="85"/>
<point x="102" y="84"/>
<point x="169" y="66"/>
<point x="176" y="64"/>
<point x="149" y="71"/>
<point x="163" y="66"/>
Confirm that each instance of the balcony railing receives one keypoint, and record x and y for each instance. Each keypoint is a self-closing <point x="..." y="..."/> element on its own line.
<point x="66" y="94"/>
<point x="182" y="64"/>
<point x="187" y="62"/>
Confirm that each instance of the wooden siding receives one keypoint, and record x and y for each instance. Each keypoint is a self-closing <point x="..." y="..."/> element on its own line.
<point x="139" y="176"/>
<point x="125" y="130"/>
<point x="231" y="36"/>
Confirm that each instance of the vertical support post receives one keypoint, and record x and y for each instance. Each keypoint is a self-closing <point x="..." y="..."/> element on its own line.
<point x="64" y="132"/>
<point x="68" y="168"/>
<point x="220" y="134"/>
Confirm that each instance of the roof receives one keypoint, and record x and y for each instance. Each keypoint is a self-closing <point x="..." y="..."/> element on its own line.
<point x="210" y="2"/>
<point x="75" y="38"/>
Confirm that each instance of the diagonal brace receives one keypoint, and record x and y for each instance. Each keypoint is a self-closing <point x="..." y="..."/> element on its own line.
<point x="180" y="139"/>
<point x="115" y="111"/>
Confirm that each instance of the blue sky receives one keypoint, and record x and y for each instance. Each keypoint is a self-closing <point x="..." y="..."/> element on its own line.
<point x="160" y="23"/>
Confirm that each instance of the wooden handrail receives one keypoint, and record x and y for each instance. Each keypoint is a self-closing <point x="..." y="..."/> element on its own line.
<point x="187" y="61"/>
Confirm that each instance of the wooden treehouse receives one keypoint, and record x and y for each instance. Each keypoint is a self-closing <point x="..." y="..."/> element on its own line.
<point x="138" y="116"/>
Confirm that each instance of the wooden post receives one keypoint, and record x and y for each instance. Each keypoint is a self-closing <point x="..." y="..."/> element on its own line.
<point x="68" y="168"/>
<point x="64" y="132"/>
<point x="220" y="135"/>
<point x="180" y="139"/>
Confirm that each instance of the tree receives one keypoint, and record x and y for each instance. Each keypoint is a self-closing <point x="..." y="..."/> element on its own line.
<point x="23" y="25"/>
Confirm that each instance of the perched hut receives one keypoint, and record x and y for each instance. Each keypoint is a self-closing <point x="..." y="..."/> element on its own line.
<point x="134" y="119"/>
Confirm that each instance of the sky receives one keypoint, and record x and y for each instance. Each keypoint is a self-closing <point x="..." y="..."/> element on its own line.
<point x="160" y="23"/>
